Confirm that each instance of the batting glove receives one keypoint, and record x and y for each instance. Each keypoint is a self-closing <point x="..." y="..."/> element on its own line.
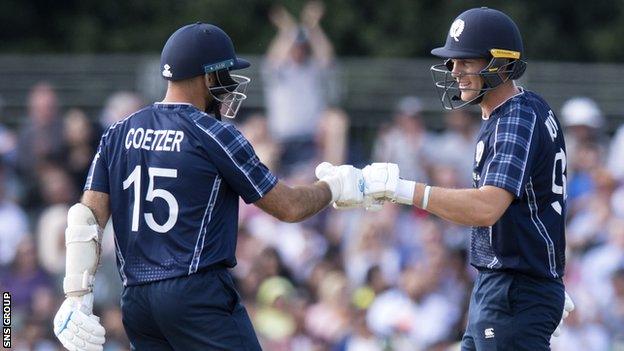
<point x="346" y="184"/>
<point x="568" y="306"/>
<point x="382" y="182"/>
<point x="77" y="327"/>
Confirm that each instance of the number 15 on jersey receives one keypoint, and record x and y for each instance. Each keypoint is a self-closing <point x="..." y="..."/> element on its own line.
<point x="152" y="193"/>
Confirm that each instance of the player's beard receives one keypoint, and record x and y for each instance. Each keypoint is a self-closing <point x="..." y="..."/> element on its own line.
<point x="213" y="107"/>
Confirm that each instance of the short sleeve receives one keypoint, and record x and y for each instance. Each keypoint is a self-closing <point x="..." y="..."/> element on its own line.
<point x="511" y="162"/>
<point x="238" y="163"/>
<point x="97" y="178"/>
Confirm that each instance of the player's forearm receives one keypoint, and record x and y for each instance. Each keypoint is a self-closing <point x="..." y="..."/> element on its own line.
<point x="98" y="202"/>
<point x="297" y="203"/>
<point x="463" y="206"/>
<point x="308" y="200"/>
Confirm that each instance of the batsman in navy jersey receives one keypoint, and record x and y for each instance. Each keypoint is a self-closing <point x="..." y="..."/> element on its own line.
<point x="517" y="206"/>
<point x="520" y="148"/>
<point x="170" y="177"/>
<point x="517" y="210"/>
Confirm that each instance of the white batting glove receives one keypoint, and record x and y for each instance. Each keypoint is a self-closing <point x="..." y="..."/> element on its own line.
<point x="345" y="182"/>
<point x="77" y="327"/>
<point x="568" y="306"/>
<point x="382" y="182"/>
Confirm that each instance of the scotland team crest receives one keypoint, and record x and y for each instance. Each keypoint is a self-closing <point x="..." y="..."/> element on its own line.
<point x="479" y="151"/>
<point x="456" y="29"/>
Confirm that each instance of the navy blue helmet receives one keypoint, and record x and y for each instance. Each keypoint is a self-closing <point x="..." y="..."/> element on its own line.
<point x="198" y="49"/>
<point x="479" y="33"/>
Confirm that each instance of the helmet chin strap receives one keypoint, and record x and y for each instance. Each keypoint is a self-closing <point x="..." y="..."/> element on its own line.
<point x="488" y="83"/>
<point x="476" y="100"/>
<point x="479" y="97"/>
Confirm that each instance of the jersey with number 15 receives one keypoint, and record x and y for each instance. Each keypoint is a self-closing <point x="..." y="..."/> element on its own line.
<point x="174" y="175"/>
<point x="520" y="148"/>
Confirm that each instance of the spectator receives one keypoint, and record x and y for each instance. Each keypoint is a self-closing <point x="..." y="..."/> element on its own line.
<point x="14" y="223"/>
<point x="294" y="71"/>
<point x="119" y="106"/>
<point x="613" y="313"/>
<point x="273" y="320"/>
<point x="455" y="146"/>
<point x="591" y="212"/>
<point x="8" y="140"/>
<point x="332" y="137"/>
<point x="56" y="185"/>
<point x="581" y="334"/>
<point x="376" y="281"/>
<point x="24" y="277"/>
<point x="601" y="262"/>
<point x="615" y="162"/>
<point x="407" y="142"/>
<point x="34" y="336"/>
<point x="361" y="338"/>
<point x="415" y="310"/>
<point x="372" y="247"/>
<point x="40" y="140"/>
<point x="329" y="318"/>
<point x="41" y="135"/>
<point x="51" y="239"/>
<point x="580" y="183"/>
<point x="80" y="142"/>
<point x="583" y="121"/>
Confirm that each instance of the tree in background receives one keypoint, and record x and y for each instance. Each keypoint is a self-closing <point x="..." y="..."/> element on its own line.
<point x="572" y="30"/>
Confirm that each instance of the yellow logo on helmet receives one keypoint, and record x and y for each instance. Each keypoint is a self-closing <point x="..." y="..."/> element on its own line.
<point x="502" y="53"/>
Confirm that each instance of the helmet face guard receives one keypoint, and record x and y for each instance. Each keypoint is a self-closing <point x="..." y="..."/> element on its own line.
<point x="229" y="92"/>
<point x="498" y="71"/>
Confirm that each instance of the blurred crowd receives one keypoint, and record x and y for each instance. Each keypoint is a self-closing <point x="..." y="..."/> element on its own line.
<point x="396" y="279"/>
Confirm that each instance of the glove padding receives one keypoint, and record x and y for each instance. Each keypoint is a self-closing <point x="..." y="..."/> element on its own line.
<point x="76" y="327"/>
<point x="381" y="180"/>
<point x="347" y="186"/>
<point x="568" y="306"/>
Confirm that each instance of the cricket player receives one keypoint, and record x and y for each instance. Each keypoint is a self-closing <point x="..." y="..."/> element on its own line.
<point x="517" y="206"/>
<point x="170" y="177"/>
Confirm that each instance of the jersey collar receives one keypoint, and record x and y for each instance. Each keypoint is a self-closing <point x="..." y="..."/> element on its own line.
<point x="175" y="106"/>
<point x="172" y="103"/>
<point x="502" y="103"/>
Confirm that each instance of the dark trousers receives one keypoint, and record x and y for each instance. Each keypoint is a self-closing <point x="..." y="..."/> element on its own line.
<point x="512" y="311"/>
<point x="197" y="312"/>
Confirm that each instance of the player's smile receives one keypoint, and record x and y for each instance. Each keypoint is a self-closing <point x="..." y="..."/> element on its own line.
<point x="467" y="87"/>
<point x="464" y="84"/>
<point x="465" y="72"/>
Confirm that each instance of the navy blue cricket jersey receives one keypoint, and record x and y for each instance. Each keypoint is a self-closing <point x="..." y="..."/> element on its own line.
<point x="520" y="148"/>
<point x="174" y="175"/>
